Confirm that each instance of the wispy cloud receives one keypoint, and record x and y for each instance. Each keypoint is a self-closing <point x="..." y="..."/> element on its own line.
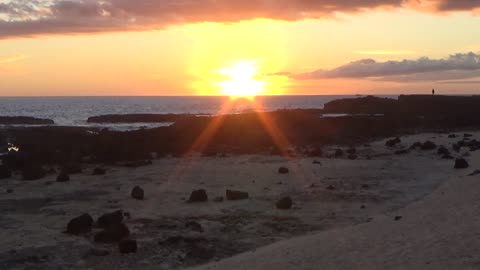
<point x="44" y="17"/>
<point x="453" y="67"/>
<point x="11" y="59"/>
<point x="385" y="52"/>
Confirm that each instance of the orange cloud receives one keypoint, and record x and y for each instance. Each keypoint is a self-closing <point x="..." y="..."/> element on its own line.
<point x="11" y="59"/>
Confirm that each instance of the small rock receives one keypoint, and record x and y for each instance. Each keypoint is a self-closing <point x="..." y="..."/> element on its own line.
<point x="397" y="218"/>
<point x="194" y="226"/>
<point x="233" y="195"/>
<point x="467" y="135"/>
<point x="443" y="151"/>
<point x="393" y="142"/>
<point x="127" y="246"/>
<point x="137" y="193"/>
<point x="284" y="203"/>
<point x="452" y="136"/>
<point x="99" y="171"/>
<point x="218" y="199"/>
<point x="9" y="190"/>
<point x="363" y="206"/>
<point x="63" y="177"/>
<point x="98" y="252"/>
<point x="316" y="162"/>
<point x="416" y="145"/>
<point x="401" y="152"/>
<point x="365" y="186"/>
<point x="461" y="164"/>
<point x="330" y="187"/>
<point x="283" y="170"/>
<point x="112" y="234"/>
<point x="338" y="153"/>
<point x="428" y="145"/>
<point x="476" y="172"/>
<point x="351" y="151"/>
<point x="352" y="157"/>
<point x="80" y="225"/>
<point x="198" y="196"/>
<point x="110" y="219"/>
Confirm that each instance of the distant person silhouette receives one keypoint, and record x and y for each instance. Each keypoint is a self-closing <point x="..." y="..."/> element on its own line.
<point x="433" y="92"/>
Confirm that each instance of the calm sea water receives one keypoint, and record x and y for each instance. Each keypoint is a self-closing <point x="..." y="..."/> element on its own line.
<point x="74" y="111"/>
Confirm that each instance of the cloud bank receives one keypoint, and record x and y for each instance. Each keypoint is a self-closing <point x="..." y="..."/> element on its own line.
<point x="457" y="66"/>
<point x="19" y="18"/>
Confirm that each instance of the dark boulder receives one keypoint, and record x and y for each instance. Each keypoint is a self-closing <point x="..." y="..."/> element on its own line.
<point x="284" y="203"/>
<point x="5" y="172"/>
<point x="198" y="196"/>
<point x="138" y="193"/>
<point x="113" y="233"/>
<point x="442" y="150"/>
<point x="99" y="171"/>
<point x="461" y="164"/>
<point x="127" y="246"/>
<point x="393" y="142"/>
<point x="33" y="172"/>
<point x="428" y="145"/>
<point x="80" y="225"/>
<point x="110" y="219"/>
<point x="63" y="177"/>
<point x="233" y="195"/>
<point x="283" y="170"/>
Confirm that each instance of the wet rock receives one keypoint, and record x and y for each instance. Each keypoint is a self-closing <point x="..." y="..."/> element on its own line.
<point x="5" y="172"/>
<point x="110" y="219"/>
<point x="316" y="162"/>
<point x="137" y="193"/>
<point x="113" y="233"/>
<point x="363" y="206"/>
<point x="194" y="226"/>
<point x="284" y="203"/>
<point x="127" y="246"/>
<point x="99" y="252"/>
<point x="330" y="187"/>
<point x="80" y="225"/>
<point x="233" y="195"/>
<point x="33" y="172"/>
<point x="397" y="218"/>
<point x="393" y="142"/>
<point x="401" y="152"/>
<point x="9" y="190"/>
<point x="199" y="252"/>
<point x="428" y="145"/>
<point x="218" y="199"/>
<point x="461" y="163"/>
<point x="338" y="153"/>
<point x="352" y="157"/>
<point x="63" y="177"/>
<point x="443" y="151"/>
<point x="467" y="135"/>
<point x="198" y="196"/>
<point x="452" y="136"/>
<point x="283" y="170"/>
<point x="99" y="171"/>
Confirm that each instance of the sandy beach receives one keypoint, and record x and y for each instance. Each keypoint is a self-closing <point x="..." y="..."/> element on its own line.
<point x="343" y="214"/>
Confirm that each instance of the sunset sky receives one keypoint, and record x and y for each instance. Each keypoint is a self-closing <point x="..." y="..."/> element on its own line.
<point x="215" y="47"/>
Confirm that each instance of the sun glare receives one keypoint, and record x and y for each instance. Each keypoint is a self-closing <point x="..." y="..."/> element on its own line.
<point x="241" y="80"/>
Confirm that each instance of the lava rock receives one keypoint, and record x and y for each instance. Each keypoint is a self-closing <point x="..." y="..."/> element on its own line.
<point x="443" y="151"/>
<point x="137" y="193"/>
<point x="284" y="203"/>
<point x="233" y="195"/>
<point x="5" y="172"/>
<point x="393" y="142"/>
<point x="80" y="225"/>
<point x="113" y="233"/>
<point x="283" y="170"/>
<point x="127" y="246"/>
<point x="194" y="226"/>
<point x="428" y="145"/>
<point x="110" y="219"/>
<point x="33" y="172"/>
<point x="461" y="164"/>
<point x="99" y="171"/>
<point x="198" y="196"/>
<point x="63" y="177"/>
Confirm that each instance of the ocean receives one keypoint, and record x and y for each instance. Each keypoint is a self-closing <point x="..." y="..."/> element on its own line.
<point x="74" y="111"/>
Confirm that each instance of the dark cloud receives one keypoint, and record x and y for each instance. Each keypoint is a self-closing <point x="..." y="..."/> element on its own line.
<point x="457" y="66"/>
<point x="37" y="17"/>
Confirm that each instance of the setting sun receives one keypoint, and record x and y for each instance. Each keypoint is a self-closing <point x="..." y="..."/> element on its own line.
<point x="240" y="80"/>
